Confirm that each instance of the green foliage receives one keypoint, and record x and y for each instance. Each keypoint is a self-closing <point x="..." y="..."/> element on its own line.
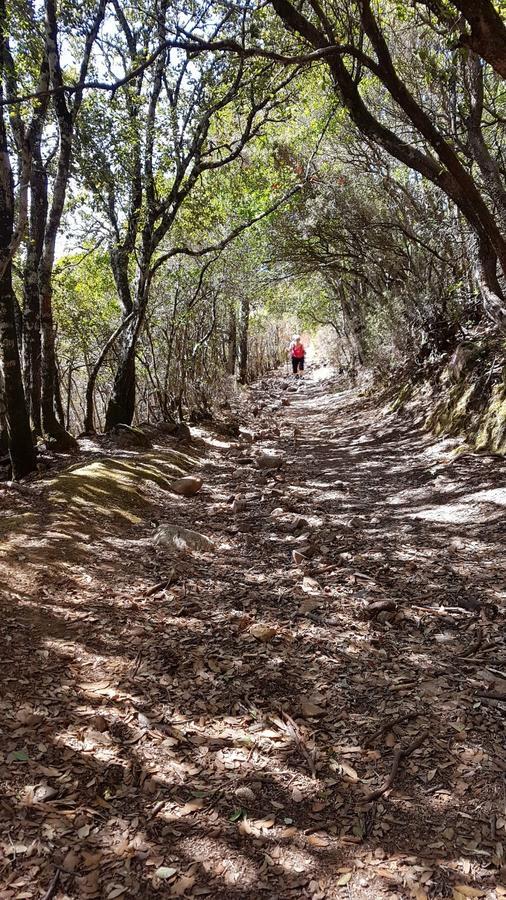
<point x="85" y="303"/>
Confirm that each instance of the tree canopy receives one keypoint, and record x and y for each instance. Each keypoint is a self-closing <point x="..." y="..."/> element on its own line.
<point x="178" y="180"/>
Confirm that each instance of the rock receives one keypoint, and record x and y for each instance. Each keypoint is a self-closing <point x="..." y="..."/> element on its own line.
<point x="44" y="792"/>
<point x="239" y="506"/>
<point x="227" y="429"/>
<point x="187" y="486"/>
<point x="269" y="459"/>
<point x="182" y="432"/>
<point x="310" y="586"/>
<point x="130" y="438"/>
<point x="181" y="539"/>
<point x="98" y="723"/>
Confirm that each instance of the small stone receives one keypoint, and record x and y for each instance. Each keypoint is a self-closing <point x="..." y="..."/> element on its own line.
<point x="44" y="792"/>
<point x="245" y="794"/>
<point x="180" y="538"/>
<point x="187" y="486"/>
<point x="269" y="459"/>
<point x="98" y="723"/>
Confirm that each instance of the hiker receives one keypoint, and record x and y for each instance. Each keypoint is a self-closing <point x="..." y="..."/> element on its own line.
<point x="297" y="352"/>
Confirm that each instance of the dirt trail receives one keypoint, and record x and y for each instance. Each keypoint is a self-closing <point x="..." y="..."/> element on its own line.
<point x="213" y="725"/>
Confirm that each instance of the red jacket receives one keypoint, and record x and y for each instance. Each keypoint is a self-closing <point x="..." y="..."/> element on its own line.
<point x="297" y="351"/>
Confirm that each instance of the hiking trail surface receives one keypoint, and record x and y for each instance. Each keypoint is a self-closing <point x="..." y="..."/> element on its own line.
<point x="311" y="708"/>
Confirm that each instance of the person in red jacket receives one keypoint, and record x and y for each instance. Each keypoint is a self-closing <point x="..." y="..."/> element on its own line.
<point x="297" y="352"/>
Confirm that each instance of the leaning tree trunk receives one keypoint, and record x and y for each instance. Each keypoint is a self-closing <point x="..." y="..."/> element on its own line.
<point x="89" y="424"/>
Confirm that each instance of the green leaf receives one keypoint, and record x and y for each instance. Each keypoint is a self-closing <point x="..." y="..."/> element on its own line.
<point x="237" y="814"/>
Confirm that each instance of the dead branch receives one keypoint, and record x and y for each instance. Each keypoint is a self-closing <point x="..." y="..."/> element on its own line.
<point x="399" y="755"/>
<point x="51" y="891"/>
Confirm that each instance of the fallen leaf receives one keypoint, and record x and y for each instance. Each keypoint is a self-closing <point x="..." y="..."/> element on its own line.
<point x="236" y="815"/>
<point x="165" y="872"/>
<point x="191" y="806"/>
<point x="262" y="632"/>
<point x="318" y="840"/>
<point x="18" y="756"/>
<point x="349" y="771"/>
<point x="183" y="884"/>
<point x="344" y="879"/>
<point x="309" y="604"/>
<point x="263" y="823"/>
<point x="466" y="891"/>
<point x="310" y="709"/>
<point x="116" y="891"/>
<point x="70" y="861"/>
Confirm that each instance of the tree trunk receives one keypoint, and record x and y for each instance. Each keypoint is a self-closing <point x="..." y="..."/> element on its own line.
<point x="243" y="339"/>
<point x="21" y="449"/>
<point x="50" y="424"/>
<point x="232" y="343"/>
<point x="31" y="305"/>
<point x="121" y="406"/>
<point x="89" y="425"/>
<point x="488" y="32"/>
<point x="488" y="283"/>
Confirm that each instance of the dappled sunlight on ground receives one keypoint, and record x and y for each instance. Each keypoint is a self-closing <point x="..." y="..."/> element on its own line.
<point x="212" y="724"/>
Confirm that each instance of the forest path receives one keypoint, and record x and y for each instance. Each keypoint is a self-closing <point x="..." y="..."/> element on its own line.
<point x="219" y="735"/>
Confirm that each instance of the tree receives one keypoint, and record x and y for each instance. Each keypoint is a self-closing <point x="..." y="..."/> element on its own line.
<point x="437" y="159"/>
<point x="186" y="119"/>
<point x="20" y="444"/>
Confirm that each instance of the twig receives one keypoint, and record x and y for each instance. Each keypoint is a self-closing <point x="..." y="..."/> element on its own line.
<point x="404" y="717"/>
<point x="51" y="891"/>
<point x="443" y="610"/>
<point x="294" y="732"/>
<point x="399" y="755"/>
<point x="137" y="663"/>
<point x="160" y="586"/>
<point x="472" y="649"/>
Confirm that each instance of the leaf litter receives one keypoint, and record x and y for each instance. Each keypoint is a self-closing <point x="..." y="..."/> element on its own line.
<point x="314" y="709"/>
